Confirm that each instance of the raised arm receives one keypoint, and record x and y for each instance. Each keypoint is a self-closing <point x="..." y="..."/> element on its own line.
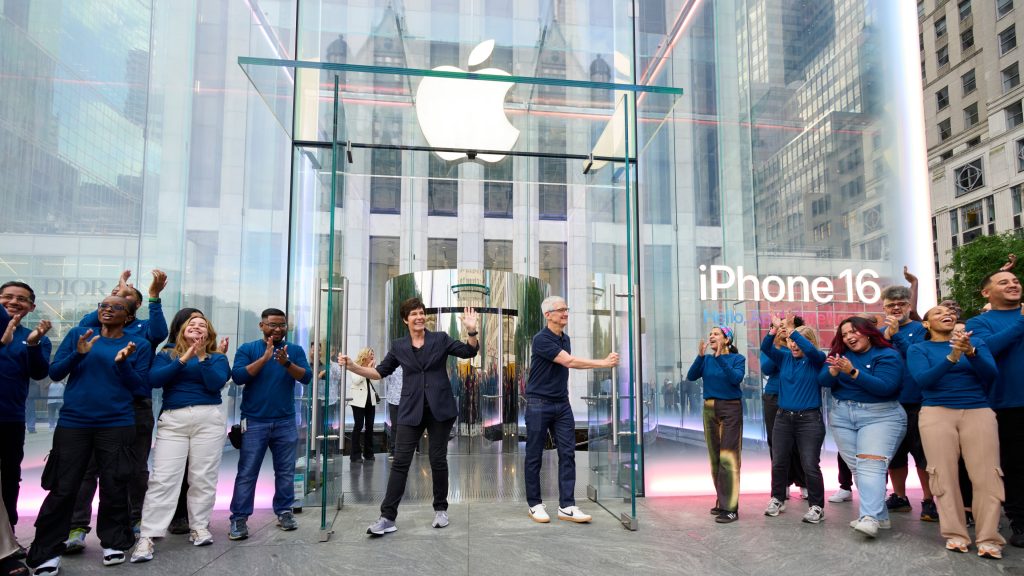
<point x="814" y="356"/>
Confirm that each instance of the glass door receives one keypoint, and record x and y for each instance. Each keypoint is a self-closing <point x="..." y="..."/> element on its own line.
<point x="613" y="400"/>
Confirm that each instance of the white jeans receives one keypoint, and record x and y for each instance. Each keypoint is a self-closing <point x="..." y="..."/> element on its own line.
<point x="195" y="434"/>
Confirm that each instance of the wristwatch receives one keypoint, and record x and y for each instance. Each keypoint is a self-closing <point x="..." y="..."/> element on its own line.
<point x="854" y="372"/>
<point x="287" y="364"/>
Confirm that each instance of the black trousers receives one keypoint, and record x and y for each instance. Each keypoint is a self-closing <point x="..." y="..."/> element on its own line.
<point x="12" y="452"/>
<point x="408" y="438"/>
<point x="393" y="428"/>
<point x="362" y="426"/>
<point x="1011" y="438"/>
<point x="845" y="474"/>
<point x="140" y="475"/>
<point x="803" y="431"/>
<point x="72" y="450"/>
<point x="770" y="406"/>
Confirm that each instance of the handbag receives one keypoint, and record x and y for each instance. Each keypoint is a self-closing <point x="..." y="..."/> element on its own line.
<point x="375" y="395"/>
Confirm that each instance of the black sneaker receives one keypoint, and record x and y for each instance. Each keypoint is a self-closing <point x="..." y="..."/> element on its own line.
<point x="1017" y="538"/>
<point x="896" y="503"/>
<point x="929" y="513"/>
<point x="725" y="517"/>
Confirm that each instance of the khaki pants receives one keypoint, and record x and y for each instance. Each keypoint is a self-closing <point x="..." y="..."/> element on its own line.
<point x="195" y="434"/>
<point x="946" y="434"/>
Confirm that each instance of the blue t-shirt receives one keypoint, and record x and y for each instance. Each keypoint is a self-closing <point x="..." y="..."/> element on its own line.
<point x="193" y="384"/>
<point x="961" y="386"/>
<point x="99" y="390"/>
<point x="19" y="363"/>
<point x="910" y="333"/>
<point x="722" y="375"/>
<point x="1003" y="331"/>
<point x="771" y="370"/>
<point x="548" y="379"/>
<point x="270" y="394"/>
<point x="880" y="372"/>
<point x="799" y="388"/>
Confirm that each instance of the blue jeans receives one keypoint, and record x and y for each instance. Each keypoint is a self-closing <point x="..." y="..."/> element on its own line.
<point x="541" y="416"/>
<point x="280" y="436"/>
<point x="861" y="429"/>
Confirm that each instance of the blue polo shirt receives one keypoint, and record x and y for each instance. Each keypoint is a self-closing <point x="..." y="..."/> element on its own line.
<point x="548" y="379"/>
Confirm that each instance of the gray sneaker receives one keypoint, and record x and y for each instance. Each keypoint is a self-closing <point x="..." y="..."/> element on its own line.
<point x="286" y="522"/>
<point x="814" y="515"/>
<point x="440" y="519"/>
<point x="239" y="530"/>
<point x="774" y="507"/>
<point x="381" y="527"/>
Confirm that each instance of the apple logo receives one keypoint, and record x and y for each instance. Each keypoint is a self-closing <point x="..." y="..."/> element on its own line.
<point x="469" y="114"/>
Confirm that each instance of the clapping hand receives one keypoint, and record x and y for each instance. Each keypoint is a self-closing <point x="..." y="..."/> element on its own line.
<point x="837" y="364"/>
<point x="892" y="326"/>
<point x="36" y="335"/>
<point x="8" y="335"/>
<point x="961" y="343"/>
<point x="281" y="355"/>
<point x="158" y="284"/>
<point x="123" y="352"/>
<point x="223" y="346"/>
<point x="702" y="347"/>
<point x="85" y="343"/>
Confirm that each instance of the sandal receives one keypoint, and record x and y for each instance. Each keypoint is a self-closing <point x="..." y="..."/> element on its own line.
<point x="11" y="566"/>
<point x="990" y="551"/>
<point x="956" y="546"/>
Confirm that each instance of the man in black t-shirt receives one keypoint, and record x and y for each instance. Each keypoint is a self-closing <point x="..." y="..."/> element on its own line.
<point x="547" y="408"/>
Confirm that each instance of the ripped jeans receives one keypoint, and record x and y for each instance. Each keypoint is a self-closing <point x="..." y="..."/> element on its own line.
<point x="868" y="429"/>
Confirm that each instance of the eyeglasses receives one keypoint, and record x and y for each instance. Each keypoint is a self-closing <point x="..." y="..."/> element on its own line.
<point x="274" y="325"/>
<point x="560" y="310"/>
<point x="21" y="299"/>
<point x="895" y="305"/>
<point x="114" y="307"/>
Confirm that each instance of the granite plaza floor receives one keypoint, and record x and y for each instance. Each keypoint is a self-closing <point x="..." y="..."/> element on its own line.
<point x="490" y="533"/>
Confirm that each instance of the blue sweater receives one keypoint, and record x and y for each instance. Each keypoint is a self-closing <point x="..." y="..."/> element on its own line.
<point x="962" y="385"/>
<point x="192" y="384"/>
<point x="99" y="391"/>
<point x="800" y="389"/>
<point x="771" y="370"/>
<point x="270" y="394"/>
<point x="911" y="333"/>
<point x="722" y="375"/>
<point x="878" y="380"/>
<point x="153" y="330"/>
<point x="1003" y="331"/>
<point x="19" y="362"/>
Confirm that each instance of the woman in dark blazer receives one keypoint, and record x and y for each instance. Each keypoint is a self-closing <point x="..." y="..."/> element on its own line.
<point x="427" y="404"/>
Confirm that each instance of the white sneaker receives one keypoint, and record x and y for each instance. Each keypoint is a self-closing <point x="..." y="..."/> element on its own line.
<point x="539" y="513"/>
<point x="573" y="514"/>
<point x="113" y="557"/>
<point x="841" y="495"/>
<point x="867" y="526"/>
<point x="143" y="551"/>
<point x="775" y="506"/>
<point x="49" y="568"/>
<point x="200" y="537"/>
<point x="882" y="524"/>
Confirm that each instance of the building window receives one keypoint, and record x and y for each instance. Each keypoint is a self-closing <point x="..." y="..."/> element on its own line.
<point x="1007" y="40"/>
<point x="944" y="130"/>
<point x="969" y="177"/>
<point x="553" y="266"/>
<point x="1014" y="115"/>
<point x="498" y="189"/>
<point x="1020" y="155"/>
<point x="920" y="41"/>
<point x="498" y="255"/>
<point x="945" y="155"/>
<point x="942" y="97"/>
<point x="971" y="221"/>
<point x="1015" y="203"/>
<point x="1011" y="77"/>
<point x="442" y="253"/>
<point x="964" y="7"/>
<point x="967" y="40"/>
<point x="386" y="182"/>
<point x="973" y="142"/>
<point x="1003" y="7"/>
<point x="942" y="56"/>
<point x="940" y="27"/>
<point x="971" y="115"/>
<point x="442" y="188"/>
<point x="969" y="82"/>
<point x="920" y="9"/>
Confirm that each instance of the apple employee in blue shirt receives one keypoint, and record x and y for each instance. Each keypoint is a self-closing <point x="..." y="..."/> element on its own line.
<point x="268" y="369"/>
<point x="547" y="408"/>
